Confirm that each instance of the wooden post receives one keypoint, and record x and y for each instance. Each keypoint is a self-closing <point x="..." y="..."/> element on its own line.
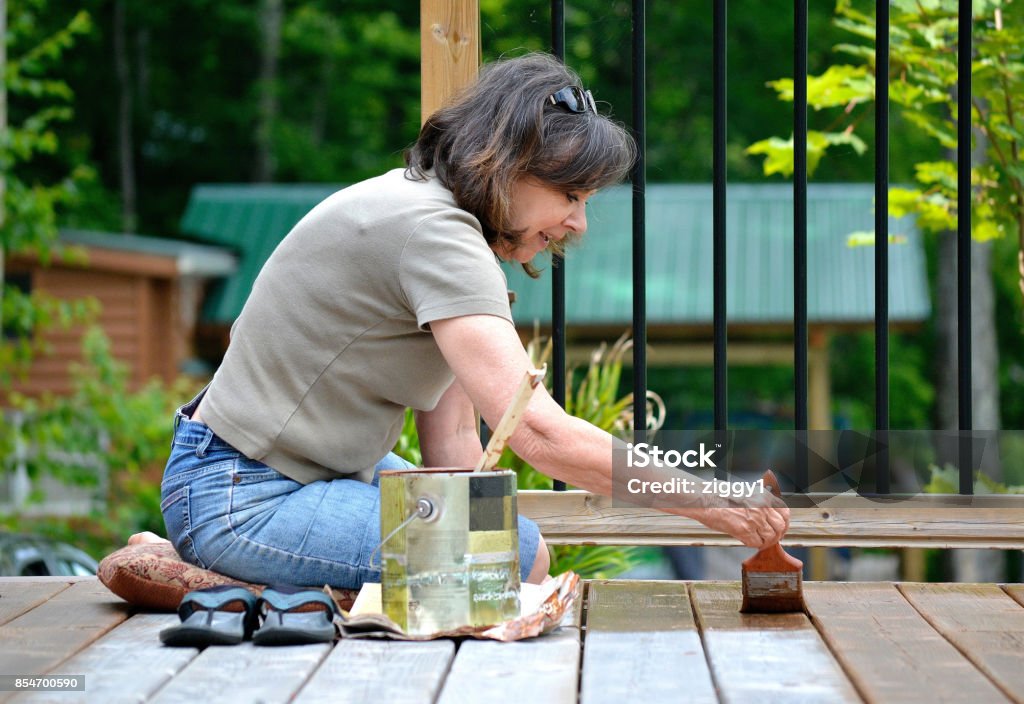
<point x="820" y="416"/>
<point x="819" y="400"/>
<point x="449" y="50"/>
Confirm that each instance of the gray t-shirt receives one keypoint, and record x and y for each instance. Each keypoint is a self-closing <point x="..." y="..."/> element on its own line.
<point x="334" y="343"/>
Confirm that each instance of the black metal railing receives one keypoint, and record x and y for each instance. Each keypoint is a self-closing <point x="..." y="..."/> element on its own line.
<point x="800" y="307"/>
<point x="963" y="233"/>
<point x="801" y="425"/>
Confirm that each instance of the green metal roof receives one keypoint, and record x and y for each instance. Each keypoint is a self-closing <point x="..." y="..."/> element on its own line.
<point x="759" y="218"/>
<point x="251" y="219"/>
<point x="190" y="258"/>
<point x="759" y="224"/>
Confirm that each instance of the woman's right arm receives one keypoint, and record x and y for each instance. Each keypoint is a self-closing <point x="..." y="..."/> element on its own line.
<point x="489" y="361"/>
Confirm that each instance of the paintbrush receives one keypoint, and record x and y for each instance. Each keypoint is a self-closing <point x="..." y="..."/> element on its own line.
<point x="772" y="579"/>
<point x="509" y="421"/>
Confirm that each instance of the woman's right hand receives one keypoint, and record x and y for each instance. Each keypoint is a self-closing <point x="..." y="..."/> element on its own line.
<point x="757" y="522"/>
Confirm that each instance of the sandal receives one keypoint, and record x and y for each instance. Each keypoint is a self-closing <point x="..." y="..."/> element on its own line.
<point x="221" y="615"/>
<point x="294" y="616"/>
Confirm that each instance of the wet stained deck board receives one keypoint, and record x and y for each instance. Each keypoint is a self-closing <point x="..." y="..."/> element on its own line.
<point x="16" y="600"/>
<point x="110" y="665"/>
<point x="40" y="639"/>
<point x="642" y="644"/>
<point x="984" y="624"/>
<point x="765" y="657"/>
<point x="537" y="670"/>
<point x="244" y="673"/>
<point x="363" y="670"/>
<point x="888" y="650"/>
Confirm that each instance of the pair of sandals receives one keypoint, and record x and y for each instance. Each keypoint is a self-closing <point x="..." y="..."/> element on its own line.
<point x="227" y="615"/>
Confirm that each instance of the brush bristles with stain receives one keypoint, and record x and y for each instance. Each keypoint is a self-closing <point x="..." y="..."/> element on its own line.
<point x="773" y="583"/>
<point x="772" y="579"/>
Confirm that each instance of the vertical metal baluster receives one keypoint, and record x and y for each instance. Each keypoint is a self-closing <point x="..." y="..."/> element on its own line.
<point x="800" y="479"/>
<point x="882" y="483"/>
<point x="558" y="380"/>
<point x="719" y="73"/>
<point x="963" y="253"/>
<point x="639" y="178"/>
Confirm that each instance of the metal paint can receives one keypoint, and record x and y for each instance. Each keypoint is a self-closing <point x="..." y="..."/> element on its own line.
<point x="449" y="548"/>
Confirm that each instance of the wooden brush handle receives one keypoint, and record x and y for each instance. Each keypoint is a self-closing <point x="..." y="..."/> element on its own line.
<point x="509" y="421"/>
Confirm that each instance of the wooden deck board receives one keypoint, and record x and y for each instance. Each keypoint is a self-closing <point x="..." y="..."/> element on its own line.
<point x="380" y="671"/>
<point x="642" y="644"/>
<point x="537" y="670"/>
<point x="15" y="600"/>
<point x="642" y="641"/>
<point x="580" y="518"/>
<point x="765" y="657"/>
<point x="889" y="652"/>
<point x="40" y="639"/>
<point x="111" y="664"/>
<point x="984" y="624"/>
<point x="243" y="673"/>
<point x="1016" y="591"/>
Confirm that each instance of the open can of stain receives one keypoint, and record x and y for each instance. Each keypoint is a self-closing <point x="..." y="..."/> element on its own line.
<point x="449" y="548"/>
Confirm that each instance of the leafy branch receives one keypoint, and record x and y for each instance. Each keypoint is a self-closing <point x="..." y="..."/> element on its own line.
<point x="923" y="77"/>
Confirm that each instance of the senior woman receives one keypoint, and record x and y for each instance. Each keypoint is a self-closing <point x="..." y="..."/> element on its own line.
<point x="389" y="295"/>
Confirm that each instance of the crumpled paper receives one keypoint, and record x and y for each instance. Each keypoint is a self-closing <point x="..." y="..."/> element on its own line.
<point x="543" y="608"/>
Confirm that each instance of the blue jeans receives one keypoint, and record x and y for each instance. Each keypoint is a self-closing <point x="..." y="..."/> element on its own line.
<point x="239" y="517"/>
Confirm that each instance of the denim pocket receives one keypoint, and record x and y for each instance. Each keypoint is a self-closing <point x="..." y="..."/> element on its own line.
<point x="178" y="521"/>
<point x="256" y="491"/>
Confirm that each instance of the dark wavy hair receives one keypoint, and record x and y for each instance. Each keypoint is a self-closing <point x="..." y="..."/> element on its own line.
<point x="502" y="128"/>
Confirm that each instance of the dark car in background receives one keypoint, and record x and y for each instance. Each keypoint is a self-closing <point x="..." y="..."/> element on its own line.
<point x="24" y="555"/>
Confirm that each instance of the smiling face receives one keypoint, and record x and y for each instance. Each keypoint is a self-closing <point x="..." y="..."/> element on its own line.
<point x="543" y="215"/>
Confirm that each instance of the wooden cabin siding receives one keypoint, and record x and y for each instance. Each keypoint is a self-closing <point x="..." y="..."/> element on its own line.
<point x="139" y="314"/>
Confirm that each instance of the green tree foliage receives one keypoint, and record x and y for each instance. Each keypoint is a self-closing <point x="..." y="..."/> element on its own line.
<point x="347" y="93"/>
<point x="102" y="423"/>
<point x="923" y="77"/>
<point x="348" y="88"/>
<point x="38" y="102"/>
<point x="923" y="62"/>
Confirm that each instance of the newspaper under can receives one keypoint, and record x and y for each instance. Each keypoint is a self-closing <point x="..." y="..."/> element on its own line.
<point x="455" y="561"/>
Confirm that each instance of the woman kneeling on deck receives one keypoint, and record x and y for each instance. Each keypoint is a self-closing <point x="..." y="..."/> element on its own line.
<point x="389" y="295"/>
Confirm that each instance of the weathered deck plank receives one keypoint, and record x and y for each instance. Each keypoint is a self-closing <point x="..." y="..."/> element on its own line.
<point x="1016" y="591"/>
<point x="984" y="624"/>
<point x="895" y="643"/>
<point x="889" y="652"/>
<point x="642" y="644"/>
<point x="925" y="520"/>
<point x="128" y="664"/>
<point x="380" y="671"/>
<point x="243" y="673"/>
<point x="765" y="657"/>
<point x="40" y="639"/>
<point x="21" y="596"/>
<point x="539" y="670"/>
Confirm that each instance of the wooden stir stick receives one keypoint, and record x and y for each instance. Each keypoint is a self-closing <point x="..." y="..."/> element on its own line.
<point x="510" y="420"/>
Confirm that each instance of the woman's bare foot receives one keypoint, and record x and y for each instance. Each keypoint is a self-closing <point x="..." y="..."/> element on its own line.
<point x="146" y="537"/>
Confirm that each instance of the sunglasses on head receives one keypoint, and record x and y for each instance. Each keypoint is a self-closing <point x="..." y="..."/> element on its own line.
<point x="574" y="99"/>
